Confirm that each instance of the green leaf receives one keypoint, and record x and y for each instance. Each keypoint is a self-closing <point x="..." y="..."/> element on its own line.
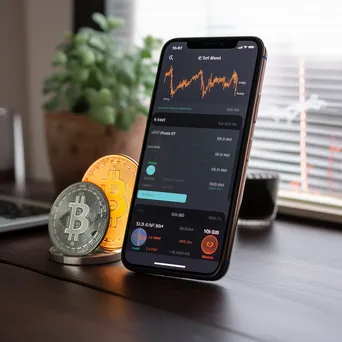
<point x="124" y="91"/>
<point x="90" y="95"/>
<point x="146" y="53"/>
<point x="54" y="82"/>
<point x="80" y="75"/>
<point x="113" y="23"/>
<point x="82" y="37"/>
<point x="97" y="43"/>
<point x="148" y="81"/>
<point x="142" y="109"/>
<point x="100" y="20"/>
<point x="104" y="115"/>
<point x="68" y="35"/>
<point x="148" y="41"/>
<point x="59" y="59"/>
<point x="52" y="104"/>
<point x="50" y="86"/>
<point x="58" y="77"/>
<point x="72" y="63"/>
<point x="123" y="121"/>
<point x="87" y="56"/>
<point x="99" y="98"/>
<point x="99" y="57"/>
<point x="99" y="77"/>
<point x="152" y="43"/>
<point x="105" y="97"/>
<point x="126" y="74"/>
<point x="123" y="103"/>
<point x="73" y="94"/>
<point x="65" y="46"/>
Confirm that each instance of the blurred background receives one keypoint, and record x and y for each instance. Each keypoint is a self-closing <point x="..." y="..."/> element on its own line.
<point x="299" y="130"/>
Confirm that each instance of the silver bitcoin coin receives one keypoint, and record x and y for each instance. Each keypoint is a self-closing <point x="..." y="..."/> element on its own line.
<point x="79" y="219"/>
<point x="98" y="256"/>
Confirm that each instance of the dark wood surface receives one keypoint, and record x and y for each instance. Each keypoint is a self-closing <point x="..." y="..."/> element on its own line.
<point x="40" y="308"/>
<point x="284" y="284"/>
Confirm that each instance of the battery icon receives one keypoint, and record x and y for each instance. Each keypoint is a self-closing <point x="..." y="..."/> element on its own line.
<point x="251" y="46"/>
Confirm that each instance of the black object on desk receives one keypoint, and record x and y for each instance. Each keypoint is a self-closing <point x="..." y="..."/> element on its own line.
<point x="259" y="203"/>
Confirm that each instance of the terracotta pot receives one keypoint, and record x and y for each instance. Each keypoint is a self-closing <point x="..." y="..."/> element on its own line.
<point x="76" y="141"/>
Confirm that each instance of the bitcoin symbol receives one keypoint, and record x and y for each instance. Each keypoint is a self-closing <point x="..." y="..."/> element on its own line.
<point x="78" y="223"/>
<point x="114" y="187"/>
<point x="115" y="174"/>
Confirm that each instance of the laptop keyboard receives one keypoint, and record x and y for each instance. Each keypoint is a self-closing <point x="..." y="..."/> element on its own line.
<point x="11" y="210"/>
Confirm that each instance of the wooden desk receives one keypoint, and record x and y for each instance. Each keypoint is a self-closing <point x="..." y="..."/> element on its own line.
<point x="284" y="284"/>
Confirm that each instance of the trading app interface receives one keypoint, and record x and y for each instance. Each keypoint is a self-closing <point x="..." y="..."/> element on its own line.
<point x="189" y="164"/>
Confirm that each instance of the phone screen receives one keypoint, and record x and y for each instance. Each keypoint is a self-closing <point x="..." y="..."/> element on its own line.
<point x="188" y="166"/>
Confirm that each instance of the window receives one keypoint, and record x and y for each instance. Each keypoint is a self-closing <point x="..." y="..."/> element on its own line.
<point x="299" y="128"/>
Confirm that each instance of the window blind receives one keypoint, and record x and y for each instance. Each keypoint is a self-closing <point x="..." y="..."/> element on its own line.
<point x="126" y="11"/>
<point x="299" y="128"/>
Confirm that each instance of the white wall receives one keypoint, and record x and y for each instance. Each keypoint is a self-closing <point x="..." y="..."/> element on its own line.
<point x="13" y="86"/>
<point x="45" y="23"/>
<point x="29" y="33"/>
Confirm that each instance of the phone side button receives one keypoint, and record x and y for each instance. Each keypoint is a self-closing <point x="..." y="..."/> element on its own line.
<point x="252" y="130"/>
<point x="249" y="148"/>
<point x="256" y="110"/>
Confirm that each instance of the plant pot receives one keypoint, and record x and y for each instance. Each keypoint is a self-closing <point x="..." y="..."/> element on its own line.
<point x="76" y="141"/>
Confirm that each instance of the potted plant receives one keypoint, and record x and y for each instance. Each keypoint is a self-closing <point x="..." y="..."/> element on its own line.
<point x="97" y="99"/>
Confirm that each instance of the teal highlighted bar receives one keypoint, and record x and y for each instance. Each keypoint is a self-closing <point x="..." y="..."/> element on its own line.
<point x="162" y="196"/>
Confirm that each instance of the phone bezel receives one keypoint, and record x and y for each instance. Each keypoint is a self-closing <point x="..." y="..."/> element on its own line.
<point x="222" y="268"/>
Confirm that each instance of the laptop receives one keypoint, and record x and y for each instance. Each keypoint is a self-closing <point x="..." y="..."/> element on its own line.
<point x="17" y="212"/>
<point x="20" y="213"/>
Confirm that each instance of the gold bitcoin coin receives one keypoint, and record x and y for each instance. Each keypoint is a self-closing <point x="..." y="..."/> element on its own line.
<point x="115" y="175"/>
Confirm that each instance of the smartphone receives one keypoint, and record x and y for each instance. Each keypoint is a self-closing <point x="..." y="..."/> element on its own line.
<point x="192" y="167"/>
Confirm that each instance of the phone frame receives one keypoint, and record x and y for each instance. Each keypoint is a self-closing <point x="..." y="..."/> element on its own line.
<point x="240" y="177"/>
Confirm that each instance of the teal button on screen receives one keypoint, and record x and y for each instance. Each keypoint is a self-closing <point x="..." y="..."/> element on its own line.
<point x="150" y="170"/>
<point x="162" y="196"/>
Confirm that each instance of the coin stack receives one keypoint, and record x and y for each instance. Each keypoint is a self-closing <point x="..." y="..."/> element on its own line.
<point x="88" y="219"/>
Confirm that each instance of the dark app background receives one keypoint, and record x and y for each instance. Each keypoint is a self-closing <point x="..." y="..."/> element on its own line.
<point x="189" y="163"/>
